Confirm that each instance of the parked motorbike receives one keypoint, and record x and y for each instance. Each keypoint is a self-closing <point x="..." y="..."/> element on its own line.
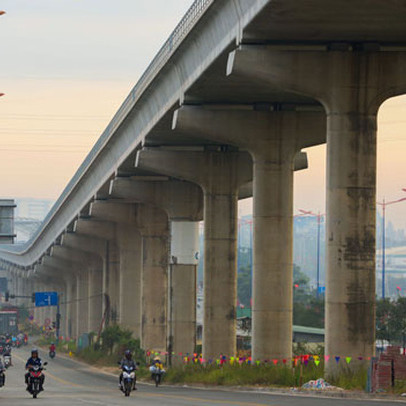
<point x="129" y="379"/>
<point x="34" y="383"/>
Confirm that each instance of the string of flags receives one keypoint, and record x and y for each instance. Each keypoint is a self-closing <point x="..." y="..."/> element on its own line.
<point x="196" y="358"/>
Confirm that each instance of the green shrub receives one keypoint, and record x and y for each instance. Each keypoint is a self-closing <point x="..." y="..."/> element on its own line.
<point x="351" y="378"/>
<point x="242" y="374"/>
<point x="115" y="340"/>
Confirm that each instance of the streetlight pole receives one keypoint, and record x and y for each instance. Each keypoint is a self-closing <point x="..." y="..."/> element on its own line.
<point x="318" y="254"/>
<point x="383" y="246"/>
<point x="384" y="204"/>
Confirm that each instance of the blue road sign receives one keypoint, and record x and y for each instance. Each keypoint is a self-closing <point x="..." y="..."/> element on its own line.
<point x="46" y="299"/>
<point x="322" y="289"/>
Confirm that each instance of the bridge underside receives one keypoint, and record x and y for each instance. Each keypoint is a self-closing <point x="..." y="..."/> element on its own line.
<point x="226" y="117"/>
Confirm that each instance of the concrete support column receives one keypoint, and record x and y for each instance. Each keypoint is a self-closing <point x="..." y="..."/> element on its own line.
<point x="220" y="268"/>
<point x="220" y="175"/>
<point x="37" y="315"/>
<point x="130" y="277"/>
<point x="82" y="303"/>
<point x="182" y="287"/>
<point x="63" y="308"/>
<point x="351" y="197"/>
<point x="69" y="298"/>
<point x="111" y="282"/>
<point x="95" y="289"/>
<point x="272" y="283"/>
<point x="155" y="233"/>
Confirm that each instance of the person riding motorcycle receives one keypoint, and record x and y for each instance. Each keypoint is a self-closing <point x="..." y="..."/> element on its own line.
<point x="7" y="350"/>
<point x="52" y="347"/>
<point x="7" y="353"/>
<point x="128" y="361"/>
<point x="34" y="360"/>
<point x="156" y="366"/>
<point x="2" y="375"/>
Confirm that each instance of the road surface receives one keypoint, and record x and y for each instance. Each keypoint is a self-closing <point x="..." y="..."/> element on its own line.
<point x="69" y="383"/>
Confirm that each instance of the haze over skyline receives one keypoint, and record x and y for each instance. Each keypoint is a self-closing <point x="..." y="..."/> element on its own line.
<point x="66" y="68"/>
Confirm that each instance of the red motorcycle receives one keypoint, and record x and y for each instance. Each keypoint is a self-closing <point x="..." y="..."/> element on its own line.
<point x="35" y="378"/>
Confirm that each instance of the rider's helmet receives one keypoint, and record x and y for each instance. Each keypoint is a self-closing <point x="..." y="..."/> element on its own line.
<point x="128" y="354"/>
<point x="34" y="351"/>
<point x="52" y="343"/>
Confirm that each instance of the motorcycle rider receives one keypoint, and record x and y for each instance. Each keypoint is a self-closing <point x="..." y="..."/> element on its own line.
<point x="52" y="347"/>
<point x="7" y="353"/>
<point x="156" y="366"/>
<point x="128" y="361"/>
<point x="2" y="375"/>
<point x="34" y="360"/>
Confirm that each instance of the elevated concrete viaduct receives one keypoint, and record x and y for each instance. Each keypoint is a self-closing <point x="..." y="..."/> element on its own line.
<point x="222" y="113"/>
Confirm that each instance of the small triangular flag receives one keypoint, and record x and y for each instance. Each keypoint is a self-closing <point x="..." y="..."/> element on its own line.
<point x="337" y="359"/>
<point x="326" y="358"/>
<point x="275" y="361"/>
<point x="317" y="362"/>
<point x="348" y="359"/>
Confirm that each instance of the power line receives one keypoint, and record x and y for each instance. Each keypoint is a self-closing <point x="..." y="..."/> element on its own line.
<point x="51" y="117"/>
<point x="45" y="151"/>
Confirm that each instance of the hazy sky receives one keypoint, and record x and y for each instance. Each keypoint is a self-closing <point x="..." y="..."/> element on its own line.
<point x="67" y="65"/>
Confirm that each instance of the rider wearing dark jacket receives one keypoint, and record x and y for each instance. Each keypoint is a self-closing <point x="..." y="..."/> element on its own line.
<point x="129" y="362"/>
<point x="34" y="360"/>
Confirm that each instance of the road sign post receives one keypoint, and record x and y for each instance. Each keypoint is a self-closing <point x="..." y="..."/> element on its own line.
<point x="43" y="299"/>
<point x="58" y="321"/>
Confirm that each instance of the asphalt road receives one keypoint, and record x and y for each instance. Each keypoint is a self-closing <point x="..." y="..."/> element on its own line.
<point x="69" y="383"/>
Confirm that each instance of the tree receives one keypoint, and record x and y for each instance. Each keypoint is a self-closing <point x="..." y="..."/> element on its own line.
<point x="244" y="286"/>
<point x="308" y="310"/>
<point x="398" y="320"/>
<point x="384" y="312"/>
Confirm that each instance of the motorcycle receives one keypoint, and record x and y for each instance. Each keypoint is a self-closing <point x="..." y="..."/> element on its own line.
<point x="2" y="378"/>
<point x="156" y="374"/>
<point x="7" y="361"/>
<point x="34" y="382"/>
<point x="52" y="354"/>
<point x="129" y="379"/>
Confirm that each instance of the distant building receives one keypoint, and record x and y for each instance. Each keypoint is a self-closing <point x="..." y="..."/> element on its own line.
<point x="7" y="221"/>
<point x="33" y="208"/>
<point x="395" y="271"/>
<point x="29" y="215"/>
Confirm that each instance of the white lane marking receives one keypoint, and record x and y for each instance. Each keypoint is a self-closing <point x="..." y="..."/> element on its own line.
<point x="93" y="402"/>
